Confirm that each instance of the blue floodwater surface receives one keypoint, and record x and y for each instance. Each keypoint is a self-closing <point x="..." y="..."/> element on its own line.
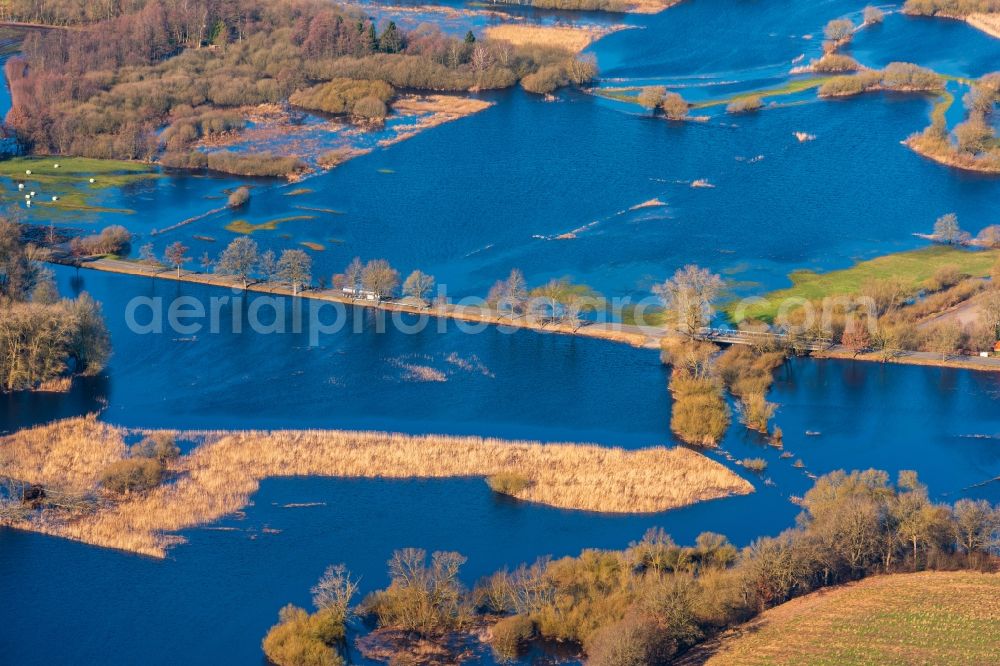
<point x="467" y="202"/>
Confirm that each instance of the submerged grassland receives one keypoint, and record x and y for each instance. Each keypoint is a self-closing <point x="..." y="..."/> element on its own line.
<point x="76" y="182"/>
<point x="912" y="267"/>
<point x="219" y="476"/>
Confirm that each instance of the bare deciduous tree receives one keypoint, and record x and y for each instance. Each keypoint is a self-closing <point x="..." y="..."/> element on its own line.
<point x="689" y="295"/>
<point x="295" y="268"/>
<point x="417" y="285"/>
<point x="238" y="259"/>
<point x="267" y="265"/>
<point x="380" y="278"/>
<point x="176" y="255"/>
<point x="335" y="590"/>
<point x="651" y="97"/>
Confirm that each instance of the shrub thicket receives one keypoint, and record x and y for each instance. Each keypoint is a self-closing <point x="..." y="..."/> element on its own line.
<point x="340" y="96"/>
<point x="114" y="240"/>
<point x="745" y="104"/>
<point x="132" y="475"/>
<point x="304" y="639"/>
<point x="256" y="164"/>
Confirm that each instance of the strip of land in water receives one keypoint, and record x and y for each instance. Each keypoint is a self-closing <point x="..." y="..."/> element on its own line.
<point x="221" y="474"/>
<point x="638" y="336"/>
<point x="650" y="337"/>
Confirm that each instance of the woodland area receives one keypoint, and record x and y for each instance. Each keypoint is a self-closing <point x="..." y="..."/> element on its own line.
<point x="107" y="86"/>
<point x="43" y="339"/>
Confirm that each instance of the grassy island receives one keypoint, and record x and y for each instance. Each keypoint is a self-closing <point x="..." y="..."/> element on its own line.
<point x="71" y="459"/>
<point x="972" y="145"/>
<point x="69" y="183"/>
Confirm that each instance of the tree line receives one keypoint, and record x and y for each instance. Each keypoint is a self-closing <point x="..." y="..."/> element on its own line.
<point x="42" y="336"/>
<point x="650" y="602"/>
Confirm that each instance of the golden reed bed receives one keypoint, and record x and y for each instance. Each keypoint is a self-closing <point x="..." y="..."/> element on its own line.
<point x="988" y="23"/>
<point x="570" y="38"/>
<point x="219" y="476"/>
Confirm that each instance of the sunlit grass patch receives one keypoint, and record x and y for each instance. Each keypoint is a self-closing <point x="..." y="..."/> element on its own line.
<point x="914" y="267"/>
<point x="313" y="246"/>
<point x="245" y="227"/>
<point x="927" y="618"/>
<point x="791" y="88"/>
<point x="68" y="203"/>
<point x="76" y="171"/>
<point x="69" y="182"/>
<point x="630" y="94"/>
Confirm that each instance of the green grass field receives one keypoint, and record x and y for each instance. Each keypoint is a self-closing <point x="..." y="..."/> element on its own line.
<point x="913" y="267"/>
<point x="923" y="618"/>
<point x="790" y="88"/>
<point x="70" y="182"/>
<point x="630" y="94"/>
<point x="244" y="227"/>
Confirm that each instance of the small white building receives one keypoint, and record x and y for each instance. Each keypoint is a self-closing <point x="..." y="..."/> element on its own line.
<point x="360" y="294"/>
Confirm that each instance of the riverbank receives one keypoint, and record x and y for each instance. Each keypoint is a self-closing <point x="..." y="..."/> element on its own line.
<point x="988" y="23"/>
<point x="649" y="337"/>
<point x="932" y="359"/>
<point x="637" y="336"/>
<point x="221" y="474"/>
<point x="913" y="267"/>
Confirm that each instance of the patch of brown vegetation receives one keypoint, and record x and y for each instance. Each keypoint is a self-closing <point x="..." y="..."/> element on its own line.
<point x="440" y="109"/>
<point x="651" y="6"/>
<point x="58" y="385"/>
<point x="219" y="477"/>
<point x="944" y="153"/>
<point x="988" y="23"/>
<point x="570" y="38"/>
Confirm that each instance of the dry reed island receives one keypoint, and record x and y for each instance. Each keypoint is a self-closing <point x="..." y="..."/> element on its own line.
<point x="83" y="482"/>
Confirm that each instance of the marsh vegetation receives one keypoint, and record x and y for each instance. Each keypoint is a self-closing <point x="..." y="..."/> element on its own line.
<point x="220" y="476"/>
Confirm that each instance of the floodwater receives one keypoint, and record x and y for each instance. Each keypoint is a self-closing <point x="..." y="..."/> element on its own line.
<point x="468" y="201"/>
